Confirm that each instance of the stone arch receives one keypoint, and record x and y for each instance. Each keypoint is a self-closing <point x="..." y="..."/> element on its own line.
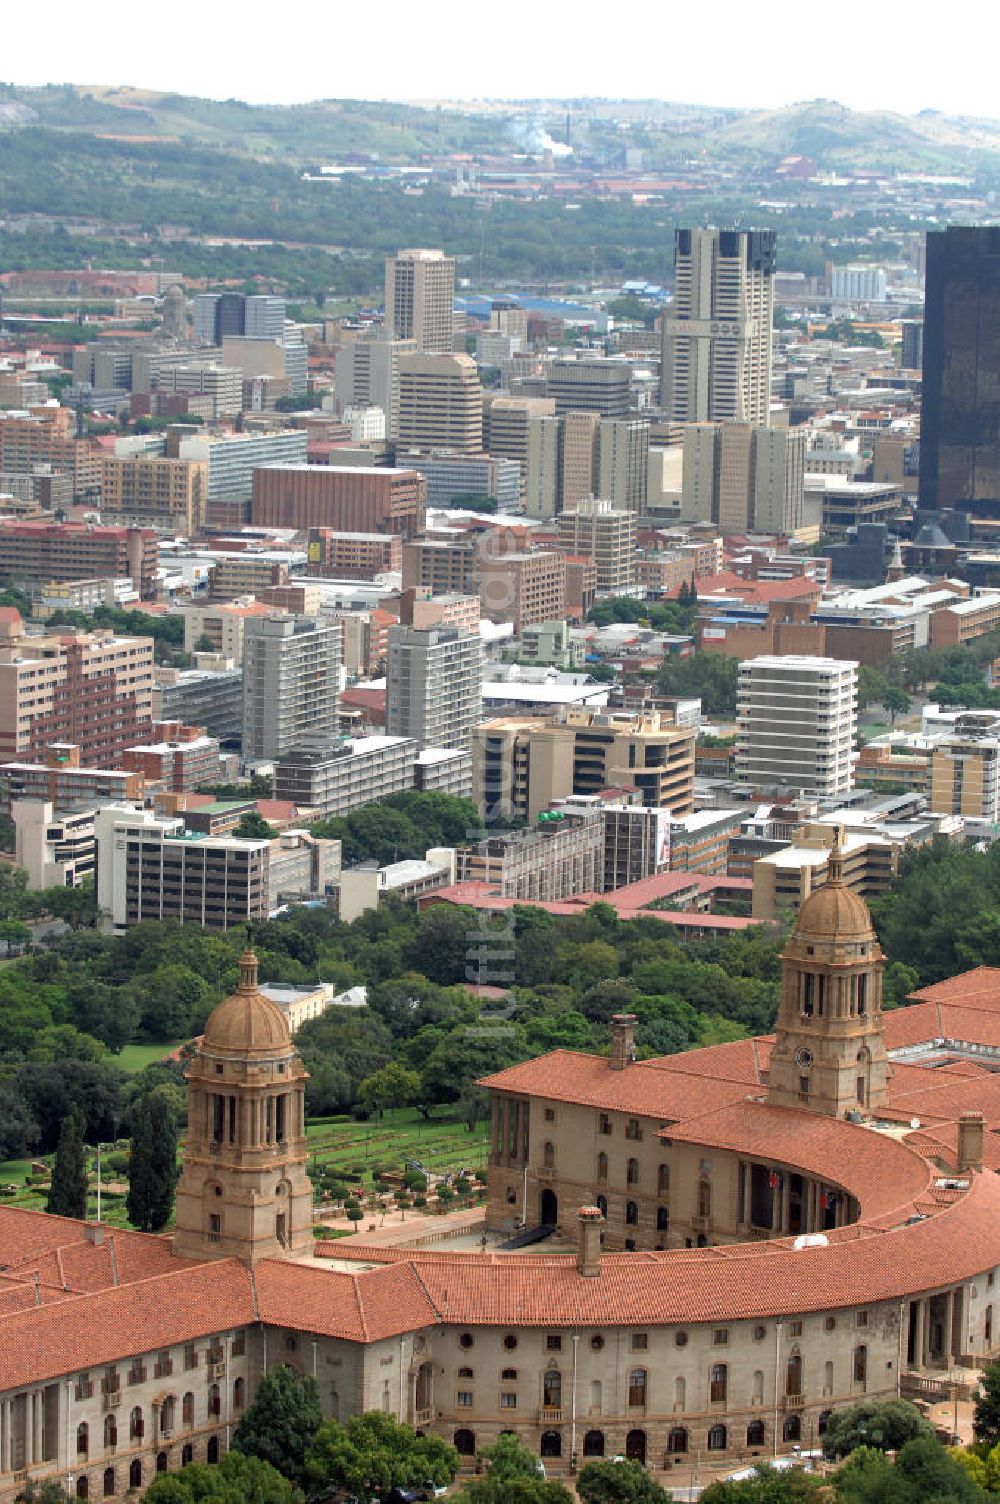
<point x="756" y="1433"/>
<point x="464" y="1442"/>
<point x="593" y="1444"/>
<point x="551" y="1444"/>
<point x="635" y="1446"/>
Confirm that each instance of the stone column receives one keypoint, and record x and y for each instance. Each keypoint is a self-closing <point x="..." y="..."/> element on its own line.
<point x="917" y="1319"/>
<point x="949" y="1311"/>
<point x="5" y="1458"/>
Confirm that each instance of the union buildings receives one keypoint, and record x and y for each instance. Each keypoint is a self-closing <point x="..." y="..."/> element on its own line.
<point x="757" y="1233"/>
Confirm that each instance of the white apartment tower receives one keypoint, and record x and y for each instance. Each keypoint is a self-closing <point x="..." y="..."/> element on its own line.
<point x="796" y="724"/>
<point x="716" y="363"/>
<point x="434" y="686"/>
<point x="420" y="299"/>
<point x="291" y="684"/>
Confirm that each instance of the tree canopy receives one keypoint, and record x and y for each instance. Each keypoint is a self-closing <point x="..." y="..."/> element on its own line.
<point x="375" y="1451"/>
<point x="281" y="1423"/>
<point x="237" y="1479"/>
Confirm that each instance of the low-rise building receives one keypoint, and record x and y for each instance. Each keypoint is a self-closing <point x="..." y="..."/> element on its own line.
<point x="64" y="783"/>
<point x="368" y="886"/>
<point x="56" y="851"/>
<point x="561" y="855"/>
<point x="212" y="698"/>
<point x="783" y="880"/>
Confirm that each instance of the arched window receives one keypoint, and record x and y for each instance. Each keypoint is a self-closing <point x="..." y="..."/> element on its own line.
<point x="161" y="1462"/>
<point x="823" y="1421"/>
<point x="239" y="1393"/>
<point x="793" y="1375"/>
<point x="110" y="1431"/>
<point x="464" y="1443"/>
<point x="167" y="1416"/>
<point x="637" y="1387"/>
<point x="717" y="1439"/>
<point x="549" y="1156"/>
<point x="704" y="1197"/>
<point x="602" y="1206"/>
<point x="662" y="1219"/>
<point x="792" y="1429"/>
<point x="756" y="1433"/>
<point x="663" y="1180"/>
<point x="861" y="1365"/>
<point x="82" y="1439"/>
<point x="593" y="1444"/>
<point x="596" y="1396"/>
<point x="109" y="1482"/>
<point x="83" y="1487"/>
<point x="551" y="1444"/>
<point x="212" y="1450"/>
<point x="631" y="1214"/>
<point x="135" y="1473"/>
<point x="187" y="1409"/>
<point x="552" y="1389"/>
<point x="632" y="1172"/>
<point x="214" y="1401"/>
<point x="135" y="1424"/>
<point x="602" y="1169"/>
<point x="187" y="1454"/>
<point x="758" y="1386"/>
<point x="677" y="1441"/>
<point x="719" y="1383"/>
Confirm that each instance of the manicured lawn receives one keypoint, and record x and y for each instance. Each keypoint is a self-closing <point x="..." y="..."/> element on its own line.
<point x="442" y="1143"/>
<point x="135" y="1057"/>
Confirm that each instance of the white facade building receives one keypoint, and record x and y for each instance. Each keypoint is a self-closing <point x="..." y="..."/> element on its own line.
<point x="797" y="723"/>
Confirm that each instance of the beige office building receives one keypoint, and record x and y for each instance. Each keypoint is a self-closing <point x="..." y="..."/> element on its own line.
<point x="367" y="375"/>
<point x="543" y="478"/>
<point x="420" y="298"/>
<point x="506" y="427"/>
<point x="522" y="764"/>
<point x="580" y="457"/>
<point x="716" y="347"/>
<point x="605" y="533"/>
<point x="523" y="588"/>
<point x="440" y="403"/>
<point x="744" y="477"/>
<point x="150" y="491"/>
<point x="623" y="474"/>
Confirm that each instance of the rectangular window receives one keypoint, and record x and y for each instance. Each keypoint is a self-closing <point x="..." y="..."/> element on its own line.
<point x="508" y="1402"/>
<point x="640" y="1341"/>
<point x="553" y="1343"/>
<point x="464" y="1398"/>
<point x="795" y="1329"/>
<point x="604" y="1123"/>
<point x="720" y="1337"/>
<point x="861" y="1318"/>
<point x="550" y="1114"/>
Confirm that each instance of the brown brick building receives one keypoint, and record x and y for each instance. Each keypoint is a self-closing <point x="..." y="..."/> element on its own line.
<point x="341" y="498"/>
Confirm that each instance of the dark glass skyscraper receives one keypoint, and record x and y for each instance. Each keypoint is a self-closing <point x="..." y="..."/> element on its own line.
<point x="960" y="410"/>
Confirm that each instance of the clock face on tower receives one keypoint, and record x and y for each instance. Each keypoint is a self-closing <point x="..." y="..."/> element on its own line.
<point x="803" y="1058"/>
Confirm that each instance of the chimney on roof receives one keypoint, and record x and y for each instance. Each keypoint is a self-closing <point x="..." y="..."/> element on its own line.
<point x="971" y="1128"/>
<point x="588" y="1248"/>
<point x="94" y="1233"/>
<point x="622" y="1040"/>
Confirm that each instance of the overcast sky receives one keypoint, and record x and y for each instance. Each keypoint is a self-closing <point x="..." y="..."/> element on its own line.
<point x="905" y="57"/>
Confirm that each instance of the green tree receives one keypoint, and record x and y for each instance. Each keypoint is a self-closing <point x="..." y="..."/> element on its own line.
<point x="882" y="1424"/>
<point x="374" y="1451"/>
<point x="237" y="1479"/>
<point x="923" y="1473"/>
<point x="253" y="827"/>
<point x="618" y="1483"/>
<point x="767" y="1486"/>
<point x="153" y="1164"/>
<point x="204" y="644"/>
<point x="986" y="1415"/>
<point x="512" y="1476"/>
<point x="392" y="1086"/>
<point x="711" y="676"/>
<point x="68" y="1191"/>
<point x="896" y="701"/>
<point x="48" y="1492"/>
<point x="280" y="1425"/>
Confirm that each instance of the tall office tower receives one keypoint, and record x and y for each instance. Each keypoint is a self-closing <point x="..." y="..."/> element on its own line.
<point x="960" y="406"/>
<point x="543" y="478"/>
<point x="440" y="404"/>
<point x="592" y="384"/>
<point x="911" y="355"/>
<point x="291" y="684"/>
<point x="434" y="685"/>
<point x="796" y="724"/>
<point x="420" y="299"/>
<point x="216" y="314"/>
<point x="716" y="357"/>
<point x="264" y="316"/>
<point x="505" y="428"/>
<point x="623" y="445"/>
<point x="580" y="457"/>
<point x="367" y="375"/>
<point x="743" y="477"/>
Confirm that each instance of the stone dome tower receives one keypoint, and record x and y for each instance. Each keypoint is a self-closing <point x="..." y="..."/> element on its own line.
<point x="243" y="1190"/>
<point x="829" y="1054"/>
<point x="174" y="312"/>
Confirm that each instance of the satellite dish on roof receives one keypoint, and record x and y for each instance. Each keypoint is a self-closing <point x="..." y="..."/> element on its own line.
<point x="811" y="1240"/>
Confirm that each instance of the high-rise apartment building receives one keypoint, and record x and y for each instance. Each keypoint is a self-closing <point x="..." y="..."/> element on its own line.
<point x="796" y="724"/>
<point x="543" y="470"/>
<point x="367" y="375"/>
<point x="716" y="349"/>
<point x="623" y="449"/>
<point x="592" y="384"/>
<point x="440" y="403"/>
<point x="45" y="437"/>
<point x="420" y="298"/>
<point x="960" y="400"/>
<point x="743" y="477"/>
<point x="506" y="427"/>
<point x="153" y="491"/>
<point x="606" y="534"/>
<point x="291" y="684"/>
<point x="434" y="685"/>
<point x="580" y="457"/>
<point x="92" y="689"/>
